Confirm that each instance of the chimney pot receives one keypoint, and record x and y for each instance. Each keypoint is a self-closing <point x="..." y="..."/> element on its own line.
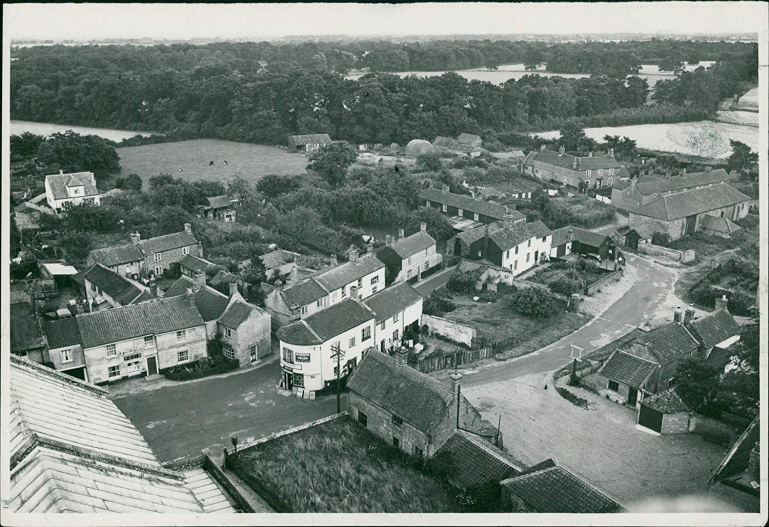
<point x="590" y="154"/>
<point x="190" y="298"/>
<point x="456" y="380"/>
<point x="401" y="234"/>
<point x="389" y="240"/>
<point x="677" y="315"/>
<point x="333" y="259"/>
<point x="61" y="171"/>
<point x="352" y="253"/>
<point x="135" y="238"/>
<point x="188" y="227"/>
<point x="689" y="314"/>
<point x="354" y="292"/>
<point x="233" y="288"/>
<point x="294" y="274"/>
<point x="444" y="188"/>
<point x="199" y="278"/>
<point x="722" y="303"/>
<point x="611" y="152"/>
<point x="423" y="226"/>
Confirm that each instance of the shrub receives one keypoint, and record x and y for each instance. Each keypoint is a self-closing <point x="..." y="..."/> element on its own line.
<point x="533" y="302"/>
<point x="437" y="305"/>
<point x="429" y="161"/>
<point x="462" y="282"/>
<point x="565" y="286"/>
<point x="488" y="296"/>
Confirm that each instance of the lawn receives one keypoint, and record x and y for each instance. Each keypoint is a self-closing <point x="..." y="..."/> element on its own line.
<point x="250" y="161"/>
<point x="340" y="467"/>
<point x="705" y="246"/>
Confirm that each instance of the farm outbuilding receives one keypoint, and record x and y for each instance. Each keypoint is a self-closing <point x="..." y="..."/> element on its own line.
<point x="419" y="146"/>
<point x="664" y="413"/>
<point x="308" y="142"/>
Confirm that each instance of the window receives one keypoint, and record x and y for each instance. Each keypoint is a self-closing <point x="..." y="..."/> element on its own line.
<point x="396" y="442"/>
<point x="426" y="251"/>
<point x="516" y="249"/>
<point x="111" y="350"/>
<point x="396" y="334"/>
<point x="319" y="303"/>
<point x="185" y="250"/>
<point x="366" y="334"/>
<point x="360" y="283"/>
<point x="461" y="212"/>
<point x="181" y="335"/>
<point x="427" y="265"/>
<point x="588" y="173"/>
<point x="252" y="352"/>
<point x="228" y="333"/>
<point x="480" y="254"/>
<point x="611" y="173"/>
<point x="475" y="216"/>
<point x="515" y="266"/>
<point x="507" y="254"/>
<point x="395" y="318"/>
<point x="302" y="357"/>
<point x="149" y="341"/>
<point x="408" y="274"/>
<point x="409" y="260"/>
<point x="382" y="325"/>
<point x="66" y="355"/>
<point x="610" y="181"/>
<point x="157" y="257"/>
<point x="614" y="386"/>
<point x="443" y="207"/>
<point x="654" y="195"/>
<point x="544" y="239"/>
<point x="183" y="356"/>
<point x="93" y="287"/>
<point x="529" y="242"/>
<point x="304" y="310"/>
<point x="397" y="421"/>
<point x="228" y="351"/>
<point x="600" y="172"/>
<point x="288" y="355"/>
<point x="352" y="342"/>
<point x="158" y="270"/>
<point x="375" y="280"/>
<point x="113" y="371"/>
<point x="362" y="418"/>
<point x="527" y="257"/>
<point x="344" y="292"/>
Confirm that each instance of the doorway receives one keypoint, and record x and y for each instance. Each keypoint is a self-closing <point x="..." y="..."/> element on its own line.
<point x="691" y="224"/>
<point x="152" y="366"/>
<point x="632" y="396"/>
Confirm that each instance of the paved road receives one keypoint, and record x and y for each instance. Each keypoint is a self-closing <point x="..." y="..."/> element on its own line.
<point x="622" y="316"/>
<point x="182" y="420"/>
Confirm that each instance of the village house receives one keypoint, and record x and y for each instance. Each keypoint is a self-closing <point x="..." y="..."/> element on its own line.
<point x="26" y="333"/>
<point x="472" y="140"/>
<point x="738" y="476"/>
<point x="220" y="208"/>
<point x="104" y="286"/>
<point x="243" y="327"/>
<point x="641" y="191"/>
<point x="514" y="157"/>
<point x="281" y="263"/>
<point x="191" y="265"/>
<point x="680" y="214"/>
<point x="550" y="488"/>
<point x="593" y="171"/>
<point x="148" y="257"/>
<point x="408" y="257"/>
<point x="410" y="410"/>
<point x="466" y="213"/>
<point x="64" y="190"/>
<point x="517" y="246"/>
<point x="365" y="273"/>
<point x="142" y="338"/>
<point x="397" y="308"/>
<point x="574" y="240"/>
<point x="72" y="450"/>
<point x="308" y="142"/>
<point x="452" y="146"/>
<point x="665" y="413"/>
<point x="716" y="332"/>
<point x="65" y="347"/>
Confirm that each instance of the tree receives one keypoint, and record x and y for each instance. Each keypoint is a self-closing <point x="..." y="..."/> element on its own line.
<point x="273" y="185"/>
<point x="429" y="161"/>
<point x="87" y="217"/>
<point x="130" y="182"/>
<point x="437" y="225"/>
<point x="73" y="152"/>
<point x="25" y="145"/>
<point x="532" y="302"/>
<point x="77" y="245"/>
<point x="572" y="136"/>
<point x="171" y="219"/>
<point x="698" y="381"/>
<point x="742" y="379"/>
<point x="742" y="158"/>
<point x="673" y="63"/>
<point x="332" y="161"/>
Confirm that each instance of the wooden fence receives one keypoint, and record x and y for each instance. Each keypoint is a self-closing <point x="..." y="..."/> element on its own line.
<point x="451" y="359"/>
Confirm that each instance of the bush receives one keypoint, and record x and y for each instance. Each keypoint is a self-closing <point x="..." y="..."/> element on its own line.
<point x="488" y="296"/>
<point x="437" y="305"/>
<point x="565" y="286"/>
<point x="462" y="282"/>
<point x="533" y="302"/>
<point x="430" y="162"/>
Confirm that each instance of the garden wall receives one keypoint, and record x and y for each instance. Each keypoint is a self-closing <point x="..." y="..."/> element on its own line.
<point x="665" y="253"/>
<point x="704" y="425"/>
<point x="451" y="330"/>
<point x="609" y="278"/>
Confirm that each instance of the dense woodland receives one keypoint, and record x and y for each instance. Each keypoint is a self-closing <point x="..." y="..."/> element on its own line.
<point x="224" y="91"/>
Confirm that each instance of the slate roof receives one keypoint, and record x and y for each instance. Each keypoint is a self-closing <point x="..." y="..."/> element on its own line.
<point x="73" y="450"/>
<point x="62" y="333"/>
<point x="410" y="245"/>
<point x="477" y="461"/>
<point x="223" y="277"/>
<point x="670" y="342"/>
<point x="129" y="322"/>
<point x="549" y="487"/>
<point x="627" y="369"/>
<point x="276" y="258"/>
<point x="237" y="313"/>
<point x="25" y="328"/>
<point x="736" y="461"/>
<point x="117" y="255"/>
<point x="303" y="293"/>
<point x="118" y="287"/>
<point x="194" y="263"/>
<point x="59" y="183"/>
<point x="327" y="324"/>
<point x="210" y="302"/>
<point x="309" y="139"/>
<point x="392" y="300"/>
<point x="697" y="201"/>
<point x="567" y="161"/>
<point x="468" y="139"/>
<point x="667" y="402"/>
<point x="464" y="202"/>
<point x="219" y="202"/>
<point x="561" y="236"/>
<point x="168" y="242"/>
<point x="452" y="144"/>
<point x="508" y="237"/>
<point x="621" y="184"/>
<point x="651" y="185"/>
<point x="719" y="225"/>
<point x="714" y="328"/>
<point x="719" y="358"/>
<point x="348" y="272"/>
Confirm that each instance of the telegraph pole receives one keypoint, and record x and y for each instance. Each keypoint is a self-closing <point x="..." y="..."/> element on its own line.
<point x="337" y="351"/>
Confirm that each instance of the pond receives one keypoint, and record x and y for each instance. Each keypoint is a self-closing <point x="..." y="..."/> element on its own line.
<point x="46" y="129"/>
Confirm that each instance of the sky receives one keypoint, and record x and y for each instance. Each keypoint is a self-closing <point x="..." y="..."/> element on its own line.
<point x="264" y="21"/>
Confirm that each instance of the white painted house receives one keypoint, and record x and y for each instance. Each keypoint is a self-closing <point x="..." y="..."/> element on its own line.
<point x="64" y="190"/>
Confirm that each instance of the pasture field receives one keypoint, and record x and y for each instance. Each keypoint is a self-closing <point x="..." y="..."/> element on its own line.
<point x="250" y="161"/>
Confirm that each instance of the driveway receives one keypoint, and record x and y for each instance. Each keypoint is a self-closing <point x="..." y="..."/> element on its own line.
<point x="427" y="286"/>
<point x="182" y="420"/>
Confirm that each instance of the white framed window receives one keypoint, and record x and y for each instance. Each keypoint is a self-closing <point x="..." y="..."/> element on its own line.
<point x="181" y="335"/>
<point x="113" y="371"/>
<point x="344" y="292"/>
<point x="610" y="181"/>
<point x="228" y="333"/>
<point x="319" y="303"/>
<point x="149" y="341"/>
<point x="588" y="173"/>
<point x="516" y="249"/>
<point x="360" y="283"/>
<point x="507" y="254"/>
<point x="409" y="260"/>
<point x="654" y="195"/>
<point x="352" y="342"/>
<point x="600" y="172"/>
<point x="252" y="352"/>
<point x="408" y="274"/>
<point x="157" y="257"/>
<point x="158" y="270"/>
<point x="427" y="265"/>
<point x="527" y="257"/>
<point x="228" y="352"/>
<point x="288" y="355"/>
<point x="366" y="334"/>
<point x="611" y="172"/>
<point x="185" y="251"/>
<point x="111" y="350"/>
<point x="304" y="310"/>
<point x="461" y="212"/>
<point x="183" y="356"/>
<point x="529" y="242"/>
<point x="66" y="355"/>
<point x="375" y="280"/>
<point x="444" y="208"/>
<point x="374" y="289"/>
<point x="515" y="265"/>
<point x="395" y="318"/>
<point x="475" y="216"/>
<point x="382" y="325"/>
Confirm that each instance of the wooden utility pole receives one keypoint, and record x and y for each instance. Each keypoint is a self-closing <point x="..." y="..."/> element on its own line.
<point x="337" y="352"/>
<point x="575" y="357"/>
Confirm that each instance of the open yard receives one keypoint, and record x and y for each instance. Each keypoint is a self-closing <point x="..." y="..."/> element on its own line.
<point x="250" y="161"/>
<point x="569" y="277"/>
<point x="340" y="467"/>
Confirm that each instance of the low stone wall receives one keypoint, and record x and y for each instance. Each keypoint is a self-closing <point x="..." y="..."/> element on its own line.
<point x="704" y="425"/>
<point x="609" y="278"/>
<point x="451" y="330"/>
<point x="221" y="478"/>
<point x="665" y="253"/>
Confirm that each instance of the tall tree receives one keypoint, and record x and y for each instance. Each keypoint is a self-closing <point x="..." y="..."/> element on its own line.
<point x="332" y="161"/>
<point x="742" y="158"/>
<point x="73" y="152"/>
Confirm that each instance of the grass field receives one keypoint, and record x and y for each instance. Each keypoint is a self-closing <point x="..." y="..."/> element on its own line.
<point x="250" y="161"/>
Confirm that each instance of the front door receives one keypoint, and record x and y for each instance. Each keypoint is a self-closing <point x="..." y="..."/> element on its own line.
<point x="536" y="257"/>
<point x="650" y="419"/>
<point x="383" y="346"/>
<point x="691" y="224"/>
<point x="152" y="365"/>
<point x="632" y="396"/>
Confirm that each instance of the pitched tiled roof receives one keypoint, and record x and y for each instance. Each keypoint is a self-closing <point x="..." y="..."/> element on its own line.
<point x="309" y="139"/>
<point x="62" y="333"/>
<point x="194" y="263"/>
<point x="719" y="358"/>
<point x="451" y="144"/>
<point x="464" y="202"/>
<point x="349" y="272"/>
<point x="667" y="402"/>
<point x="25" y="328"/>
<point x="567" y="161"/>
<point x="276" y="258"/>
<point x="237" y="313"/>
<point x="219" y="202"/>
<point x="652" y="185"/>
<point x="168" y="242"/>
<point x="60" y="182"/>
<point x="714" y="328"/>
<point x="561" y="236"/>
<point x="468" y="139"/>
<point x="738" y="458"/>
<point x="223" y="277"/>
<point x="298" y="334"/>
<point x="719" y="225"/>
<point x="117" y="255"/>
<point x="621" y="184"/>
<point x="550" y="488"/>
<point x="210" y="302"/>
<point x="118" y="287"/>
<point x="303" y="293"/>
<point x="330" y="322"/>
<point x="410" y="245"/>
<point x="697" y="201"/>
<point x="476" y="461"/>
<point x="73" y="450"/>
<point x="627" y="369"/>
<point x="129" y="322"/>
<point x="508" y="237"/>
<point x="670" y="342"/>
<point x="392" y="300"/>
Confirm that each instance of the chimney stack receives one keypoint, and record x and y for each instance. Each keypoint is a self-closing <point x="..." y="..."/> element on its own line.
<point x="233" y="288"/>
<point x="541" y="147"/>
<point x="61" y="172"/>
<point x="561" y="151"/>
<point x="423" y="226"/>
<point x="389" y="240"/>
<point x="683" y="172"/>
<point x="135" y="238"/>
<point x="294" y="274"/>
<point x="689" y="314"/>
<point x="611" y="152"/>
<point x="199" y="278"/>
<point x="189" y="298"/>
<point x="444" y="188"/>
<point x="352" y="253"/>
<point x="333" y="260"/>
<point x="153" y="288"/>
<point x="590" y="154"/>
<point x="678" y="315"/>
<point x="722" y="302"/>
<point x="574" y="163"/>
<point x="401" y="234"/>
<point x="188" y="227"/>
<point x="456" y="380"/>
<point x="354" y="292"/>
